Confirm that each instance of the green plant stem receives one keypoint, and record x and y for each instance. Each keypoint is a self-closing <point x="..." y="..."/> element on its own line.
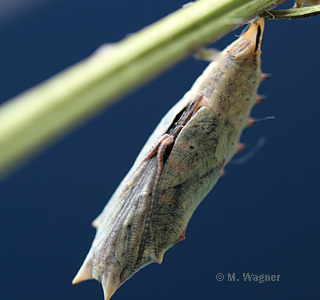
<point x="296" y="13"/>
<point x="40" y="115"/>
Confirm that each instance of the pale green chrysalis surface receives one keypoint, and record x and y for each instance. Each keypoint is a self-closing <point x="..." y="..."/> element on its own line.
<point x="178" y="166"/>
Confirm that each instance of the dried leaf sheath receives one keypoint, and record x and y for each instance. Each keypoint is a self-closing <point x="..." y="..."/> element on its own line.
<point x="178" y="166"/>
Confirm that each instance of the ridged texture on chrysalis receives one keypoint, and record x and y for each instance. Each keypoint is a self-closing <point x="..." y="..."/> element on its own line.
<point x="178" y="166"/>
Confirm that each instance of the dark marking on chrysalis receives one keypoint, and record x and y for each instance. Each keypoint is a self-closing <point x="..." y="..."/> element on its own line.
<point x="184" y="116"/>
<point x="259" y="32"/>
<point x="176" y="119"/>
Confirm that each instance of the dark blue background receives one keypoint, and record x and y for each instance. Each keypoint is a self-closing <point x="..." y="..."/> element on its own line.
<point x="261" y="218"/>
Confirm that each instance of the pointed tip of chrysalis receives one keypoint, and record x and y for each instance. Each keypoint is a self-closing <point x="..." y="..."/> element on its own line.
<point x="95" y="223"/>
<point x="260" y="98"/>
<point x="83" y="274"/>
<point x="182" y="236"/>
<point x="110" y="284"/>
<point x="251" y="121"/>
<point x="157" y="257"/>
<point x="264" y="76"/>
<point x="107" y="294"/>
<point x="240" y="147"/>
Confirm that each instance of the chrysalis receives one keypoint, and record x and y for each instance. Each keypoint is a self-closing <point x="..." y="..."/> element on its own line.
<point x="178" y="166"/>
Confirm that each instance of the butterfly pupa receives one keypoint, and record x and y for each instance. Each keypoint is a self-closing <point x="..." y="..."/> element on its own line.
<point x="180" y="163"/>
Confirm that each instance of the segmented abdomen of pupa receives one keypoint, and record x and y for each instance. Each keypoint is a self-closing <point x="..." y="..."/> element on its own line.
<point x="180" y="163"/>
<point x="230" y="83"/>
